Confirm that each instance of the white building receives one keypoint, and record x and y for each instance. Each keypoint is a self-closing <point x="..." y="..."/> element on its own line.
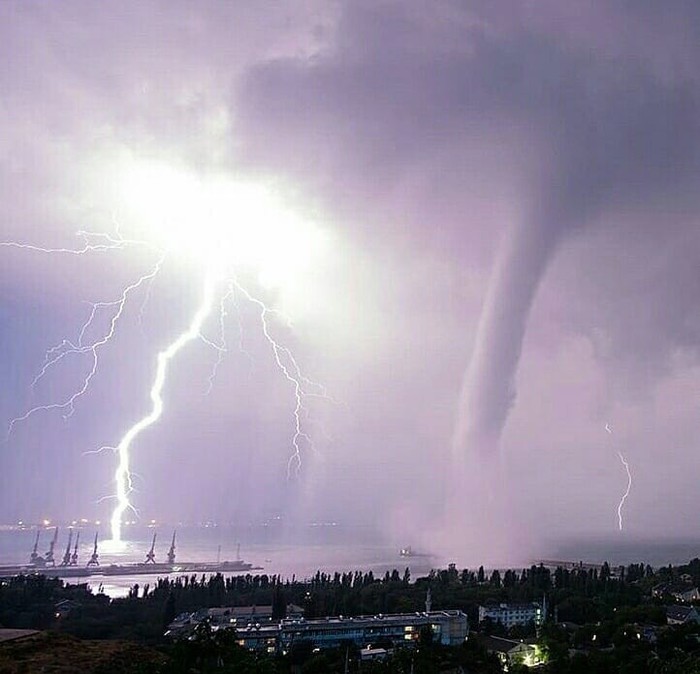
<point x="511" y="652"/>
<point x="254" y="630"/>
<point x="510" y="615"/>
<point x="449" y="628"/>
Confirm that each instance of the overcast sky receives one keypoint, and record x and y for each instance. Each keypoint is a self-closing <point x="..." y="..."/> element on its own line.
<point x="508" y="193"/>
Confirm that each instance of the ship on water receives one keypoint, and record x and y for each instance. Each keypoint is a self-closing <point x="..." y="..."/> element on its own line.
<point x="408" y="551"/>
<point x="69" y="567"/>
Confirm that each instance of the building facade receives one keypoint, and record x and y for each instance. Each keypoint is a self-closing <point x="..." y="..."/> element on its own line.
<point x="511" y="652"/>
<point x="681" y="615"/>
<point x="449" y="628"/>
<point x="510" y="615"/>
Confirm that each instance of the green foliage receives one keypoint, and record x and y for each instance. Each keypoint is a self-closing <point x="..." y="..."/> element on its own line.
<point x="609" y="607"/>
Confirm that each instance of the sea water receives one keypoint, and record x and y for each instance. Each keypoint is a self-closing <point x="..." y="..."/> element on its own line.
<point x="299" y="553"/>
<point x="302" y="551"/>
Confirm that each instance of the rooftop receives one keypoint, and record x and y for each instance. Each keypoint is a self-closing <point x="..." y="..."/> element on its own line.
<point x="678" y="612"/>
<point x="513" y="606"/>
<point x="501" y="645"/>
<point x="398" y="618"/>
<point x="12" y="635"/>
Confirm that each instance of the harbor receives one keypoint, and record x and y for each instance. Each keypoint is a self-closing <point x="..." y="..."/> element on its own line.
<point x="69" y="565"/>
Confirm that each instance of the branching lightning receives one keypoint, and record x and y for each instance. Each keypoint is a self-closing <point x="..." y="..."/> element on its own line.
<point x="290" y="369"/>
<point x="218" y="289"/>
<point x="57" y="353"/>
<point x="222" y="347"/>
<point x="92" y="242"/>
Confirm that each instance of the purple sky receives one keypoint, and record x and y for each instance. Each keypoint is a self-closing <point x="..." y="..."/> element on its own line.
<point x="511" y="193"/>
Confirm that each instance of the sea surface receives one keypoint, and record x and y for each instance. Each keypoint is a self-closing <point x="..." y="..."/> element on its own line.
<point x="297" y="554"/>
<point x="303" y="551"/>
<point x="618" y="550"/>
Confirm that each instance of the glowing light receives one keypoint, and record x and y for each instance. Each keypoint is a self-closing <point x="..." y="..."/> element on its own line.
<point x="629" y="483"/>
<point x="55" y="354"/>
<point x="112" y="546"/>
<point x="231" y="229"/>
<point x="122" y="476"/>
<point x="216" y="220"/>
<point x="627" y="491"/>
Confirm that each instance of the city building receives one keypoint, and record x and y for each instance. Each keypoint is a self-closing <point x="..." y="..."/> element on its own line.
<point x="261" y="638"/>
<point x="511" y="652"/>
<point x="230" y="616"/>
<point x="510" y="615"/>
<point x="373" y="654"/>
<point x="680" y="591"/>
<point x="680" y="615"/>
<point x="691" y="594"/>
<point x="449" y="628"/>
<point x="241" y="616"/>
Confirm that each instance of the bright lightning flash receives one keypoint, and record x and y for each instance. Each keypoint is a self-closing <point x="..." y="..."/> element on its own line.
<point x="122" y="476"/>
<point x="627" y="491"/>
<point x="629" y="482"/>
<point x="228" y="230"/>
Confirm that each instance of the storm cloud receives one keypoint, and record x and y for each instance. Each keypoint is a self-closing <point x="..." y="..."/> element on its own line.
<point x="513" y="194"/>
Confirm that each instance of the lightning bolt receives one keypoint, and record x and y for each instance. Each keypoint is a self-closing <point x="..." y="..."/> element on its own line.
<point x="122" y="476"/>
<point x="222" y="347"/>
<point x="287" y="364"/>
<point x="626" y="465"/>
<point x="627" y="491"/>
<point x="92" y="242"/>
<point x="57" y="353"/>
<point x="289" y="367"/>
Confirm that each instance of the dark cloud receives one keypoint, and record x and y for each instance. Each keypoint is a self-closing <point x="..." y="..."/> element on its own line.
<point x="575" y="129"/>
<point x="549" y="147"/>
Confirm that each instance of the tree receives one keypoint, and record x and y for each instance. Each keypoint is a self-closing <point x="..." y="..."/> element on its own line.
<point x="169" y="610"/>
<point x="426" y="638"/>
<point x="554" y="642"/>
<point x="279" y="603"/>
<point x="300" y="651"/>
